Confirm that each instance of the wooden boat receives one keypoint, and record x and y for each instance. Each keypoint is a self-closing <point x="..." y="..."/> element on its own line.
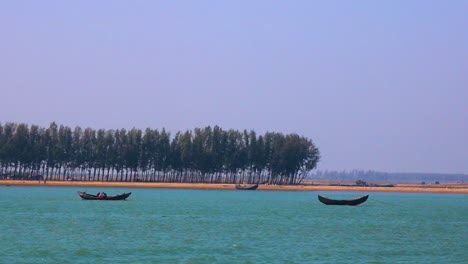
<point x="87" y="196"/>
<point x="352" y="202"/>
<point x="246" y="187"/>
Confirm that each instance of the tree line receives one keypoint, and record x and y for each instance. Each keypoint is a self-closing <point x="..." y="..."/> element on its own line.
<point x="202" y="155"/>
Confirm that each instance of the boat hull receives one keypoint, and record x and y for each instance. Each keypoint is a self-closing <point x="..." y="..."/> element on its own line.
<point x="351" y="202"/>
<point x="87" y="196"/>
<point x="249" y="187"/>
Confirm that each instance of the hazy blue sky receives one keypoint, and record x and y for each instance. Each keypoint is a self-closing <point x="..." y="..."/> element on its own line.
<point x="380" y="85"/>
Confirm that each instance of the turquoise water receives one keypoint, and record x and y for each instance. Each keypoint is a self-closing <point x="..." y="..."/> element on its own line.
<point x="53" y="225"/>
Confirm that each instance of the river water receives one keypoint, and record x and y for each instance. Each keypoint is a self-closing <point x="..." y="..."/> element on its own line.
<point x="53" y="225"/>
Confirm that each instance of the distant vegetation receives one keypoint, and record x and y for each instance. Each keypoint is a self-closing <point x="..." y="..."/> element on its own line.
<point x="385" y="177"/>
<point x="208" y="155"/>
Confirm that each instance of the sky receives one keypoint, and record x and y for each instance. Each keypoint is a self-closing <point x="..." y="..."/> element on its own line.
<point x="376" y="85"/>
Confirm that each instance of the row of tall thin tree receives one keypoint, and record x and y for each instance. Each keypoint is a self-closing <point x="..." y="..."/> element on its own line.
<point x="202" y="155"/>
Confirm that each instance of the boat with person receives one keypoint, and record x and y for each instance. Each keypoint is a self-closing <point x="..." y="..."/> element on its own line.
<point x="246" y="187"/>
<point x="352" y="202"/>
<point x="103" y="196"/>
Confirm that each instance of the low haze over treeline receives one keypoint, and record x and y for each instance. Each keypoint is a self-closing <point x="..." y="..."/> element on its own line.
<point x="379" y="177"/>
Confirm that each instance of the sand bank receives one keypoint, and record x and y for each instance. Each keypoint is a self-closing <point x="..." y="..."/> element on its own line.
<point x="415" y="188"/>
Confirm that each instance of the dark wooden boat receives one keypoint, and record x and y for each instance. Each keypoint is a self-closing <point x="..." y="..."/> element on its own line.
<point x="352" y="202"/>
<point x="246" y="187"/>
<point x="87" y="196"/>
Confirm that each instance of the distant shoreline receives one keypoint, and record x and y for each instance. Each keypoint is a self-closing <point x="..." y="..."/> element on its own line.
<point x="455" y="188"/>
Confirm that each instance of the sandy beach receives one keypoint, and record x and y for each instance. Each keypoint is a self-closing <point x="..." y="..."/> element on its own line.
<point x="456" y="188"/>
